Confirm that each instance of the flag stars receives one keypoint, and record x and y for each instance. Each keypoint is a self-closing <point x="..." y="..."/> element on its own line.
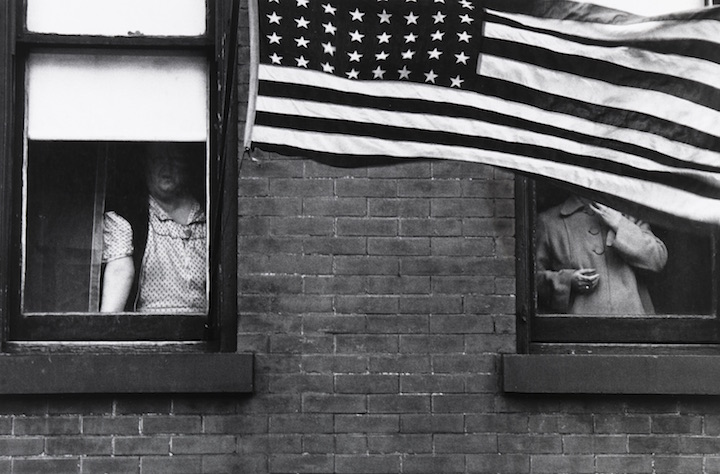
<point x="357" y="15"/>
<point x="408" y="54"/>
<point x="461" y="58"/>
<point x="456" y="82"/>
<point x="328" y="48"/>
<point x="302" y="22"/>
<point x="355" y="56"/>
<point x="464" y="36"/>
<point x="356" y="36"/>
<point x="411" y="18"/>
<point x="381" y="56"/>
<point x="430" y="76"/>
<point x="275" y="59"/>
<point x="274" y="18"/>
<point x="384" y="38"/>
<point x="302" y="42"/>
<point x="302" y="62"/>
<point x="467" y="4"/>
<point x="439" y="18"/>
<point x="437" y="36"/>
<point x="352" y="74"/>
<point x="410" y="38"/>
<point x="327" y="67"/>
<point x="302" y="3"/>
<point x="404" y="73"/>
<point x="434" y="54"/>
<point x="329" y="28"/>
<point x="466" y="19"/>
<point x="384" y="17"/>
<point x="378" y="73"/>
<point x="329" y="9"/>
<point x="274" y="38"/>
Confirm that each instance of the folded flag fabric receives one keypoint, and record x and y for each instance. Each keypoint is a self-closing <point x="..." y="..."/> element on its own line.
<point x="603" y="100"/>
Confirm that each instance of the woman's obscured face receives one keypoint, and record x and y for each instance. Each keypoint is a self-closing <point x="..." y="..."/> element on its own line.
<point x="166" y="176"/>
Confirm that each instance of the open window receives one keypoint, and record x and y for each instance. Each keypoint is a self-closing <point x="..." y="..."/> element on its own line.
<point x="103" y="104"/>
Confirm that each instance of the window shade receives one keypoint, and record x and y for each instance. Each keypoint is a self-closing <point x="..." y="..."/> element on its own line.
<point x="117" y="97"/>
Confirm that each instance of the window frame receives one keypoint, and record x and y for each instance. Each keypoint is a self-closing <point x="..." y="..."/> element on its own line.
<point x="127" y="331"/>
<point x="561" y="333"/>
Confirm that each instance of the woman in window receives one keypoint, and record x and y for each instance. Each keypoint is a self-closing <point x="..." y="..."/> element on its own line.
<point x="588" y="258"/>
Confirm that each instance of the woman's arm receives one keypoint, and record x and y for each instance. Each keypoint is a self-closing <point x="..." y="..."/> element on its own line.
<point x="117" y="281"/>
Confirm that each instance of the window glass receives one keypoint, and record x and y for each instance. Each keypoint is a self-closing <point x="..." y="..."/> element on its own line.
<point x="584" y="267"/>
<point x="117" y="17"/>
<point x="91" y="204"/>
<point x="73" y="96"/>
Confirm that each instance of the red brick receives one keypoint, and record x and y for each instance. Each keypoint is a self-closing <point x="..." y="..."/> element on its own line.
<point x="367" y="423"/>
<point x="431" y="227"/>
<point x="430" y="423"/>
<point x="397" y="323"/>
<point x="398" y="246"/>
<point x="368" y="464"/>
<point x="466" y="443"/>
<point x="170" y="424"/>
<point x="46" y="425"/>
<point x="85" y="445"/>
<point x="21" y="446"/>
<point x="405" y="207"/>
<point x="46" y="466"/>
<point x="333" y="403"/>
<point x="627" y="464"/>
<point x="678" y="464"/>
<point x="115" y="425"/>
<point x="553" y="464"/>
<point x="333" y="206"/>
<point x="234" y="464"/>
<point x="203" y="444"/>
<point x="110" y="465"/>
<point x="400" y="443"/>
<point x="141" y="445"/>
<point x="498" y="463"/>
<point x="369" y="304"/>
<point x="399" y="403"/>
<point x="301" y="463"/>
<point x="433" y="383"/>
<point x="432" y="343"/>
<point x="459" y="403"/>
<point x="433" y="464"/>
<point x="174" y="465"/>
<point x="316" y="423"/>
<point x="429" y="188"/>
<point x="367" y="383"/>
<point x="464" y="207"/>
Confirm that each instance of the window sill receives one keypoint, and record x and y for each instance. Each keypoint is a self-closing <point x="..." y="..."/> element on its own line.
<point x="611" y="374"/>
<point x="126" y="373"/>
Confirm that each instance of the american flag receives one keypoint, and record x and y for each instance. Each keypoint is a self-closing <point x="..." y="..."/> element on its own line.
<point x="606" y="101"/>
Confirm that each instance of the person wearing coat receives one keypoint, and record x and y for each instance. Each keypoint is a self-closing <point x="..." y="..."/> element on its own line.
<point x="587" y="257"/>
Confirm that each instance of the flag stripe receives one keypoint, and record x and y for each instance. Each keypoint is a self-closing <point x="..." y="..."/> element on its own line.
<point x="294" y="85"/>
<point x="588" y="58"/>
<point x="667" y="198"/>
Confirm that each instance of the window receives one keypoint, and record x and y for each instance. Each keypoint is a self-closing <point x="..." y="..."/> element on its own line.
<point x="110" y="109"/>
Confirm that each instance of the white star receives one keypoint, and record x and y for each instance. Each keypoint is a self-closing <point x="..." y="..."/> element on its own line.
<point x="462" y="58"/>
<point x="384" y="38"/>
<point x="410" y="38"/>
<point x="275" y="58"/>
<point x="329" y="9"/>
<point x="274" y="38"/>
<point x="302" y="42"/>
<point x="438" y="35"/>
<point x="327" y="67"/>
<point x="464" y="36"/>
<point x="275" y="1"/>
<point x="434" y="54"/>
<point x="404" y="73"/>
<point x="439" y="17"/>
<point x="302" y="22"/>
<point x="378" y="73"/>
<point x="411" y="18"/>
<point x="329" y="28"/>
<point x="355" y="56"/>
<point x="466" y="19"/>
<point x="381" y="56"/>
<point x="274" y="18"/>
<point x="408" y="54"/>
<point x="356" y="36"/>
<point x="430" y="76"/>
<point x="467" y="4"/>
<point x="456" y="81"/>
<point x="302" y="3"/>
<point x="384" y="17"/>
<point x="408" y="1"/>
<point x="328" y="48"/>
<point x="352" y="74"/>
<point x="439" y="1"/>
<point x="302" y="62"/>
<point x="357" y="15"/>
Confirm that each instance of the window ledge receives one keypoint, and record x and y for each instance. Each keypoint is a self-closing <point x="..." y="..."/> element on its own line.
<point x="611" y="374"/>
<point x="126" y="373"/>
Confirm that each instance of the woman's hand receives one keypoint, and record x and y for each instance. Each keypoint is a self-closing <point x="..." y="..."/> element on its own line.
<point x="585" y="280"/>
<point x="610" y="216"/>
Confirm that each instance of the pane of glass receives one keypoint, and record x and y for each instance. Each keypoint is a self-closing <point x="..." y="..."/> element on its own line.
<point x="583" y="267"/>
<point x="115" y="227"/>
<point x="117" y="17"/>
<point x="651" y="7"/>
<point x="117" y="97"/>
